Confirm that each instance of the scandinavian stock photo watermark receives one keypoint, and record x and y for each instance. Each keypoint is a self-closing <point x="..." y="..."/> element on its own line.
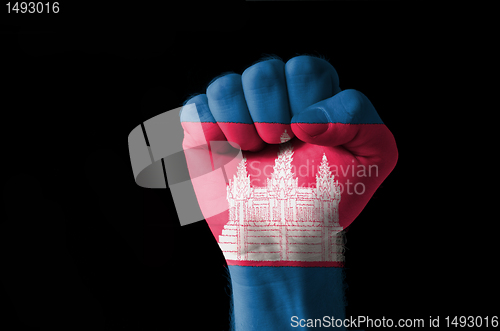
<point x="354" y="172"/>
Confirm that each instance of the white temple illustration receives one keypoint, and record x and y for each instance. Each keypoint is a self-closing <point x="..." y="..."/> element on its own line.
<point x="282" y="221"/>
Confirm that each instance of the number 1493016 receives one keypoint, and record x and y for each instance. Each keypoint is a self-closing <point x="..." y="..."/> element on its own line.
<point x="471" y="321"/>
<point x="33" y="7"/>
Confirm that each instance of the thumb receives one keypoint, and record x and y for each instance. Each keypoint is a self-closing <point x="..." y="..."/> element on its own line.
<point x="347" y="119"/>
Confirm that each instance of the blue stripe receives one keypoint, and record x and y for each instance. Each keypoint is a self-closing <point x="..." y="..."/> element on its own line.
<point x="348" y="107"/>
<point x="268" y="298"/>
<point x="309" y="80"/>
<point x="264" y="86"/>
<point x="226" y="100"/>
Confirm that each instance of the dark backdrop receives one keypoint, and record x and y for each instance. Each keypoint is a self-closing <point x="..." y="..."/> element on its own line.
<point x="83" y="245"/>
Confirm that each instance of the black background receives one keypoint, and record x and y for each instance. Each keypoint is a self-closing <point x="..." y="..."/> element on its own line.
<point x="83" y="246"/>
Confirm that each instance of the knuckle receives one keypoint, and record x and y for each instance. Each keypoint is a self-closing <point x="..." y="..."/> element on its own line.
<point x="352" y="100"/>
<point x="263" y="74"/>
<point x="306" y="65"/>
<point x="224" y="87"/>
<point x="359" y="107"/>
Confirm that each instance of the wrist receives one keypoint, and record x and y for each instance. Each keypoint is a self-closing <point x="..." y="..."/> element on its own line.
<point x="267" y="298"/>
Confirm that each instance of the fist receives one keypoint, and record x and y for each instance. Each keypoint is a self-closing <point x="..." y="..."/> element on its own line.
<point x="311" y="158"/>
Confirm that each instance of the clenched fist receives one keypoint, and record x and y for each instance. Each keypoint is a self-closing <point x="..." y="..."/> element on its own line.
<point x="312" y="157"/>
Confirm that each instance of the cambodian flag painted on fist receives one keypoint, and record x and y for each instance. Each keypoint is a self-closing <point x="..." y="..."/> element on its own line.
<point x="313" y="156"/>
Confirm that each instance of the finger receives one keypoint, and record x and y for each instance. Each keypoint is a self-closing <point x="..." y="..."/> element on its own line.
<point x="347" y="119"/>
<point x="265" y="91"/>
<point x="199" y="124"/>
<point x="309" y="80"/>
<point x="227" y="104"/>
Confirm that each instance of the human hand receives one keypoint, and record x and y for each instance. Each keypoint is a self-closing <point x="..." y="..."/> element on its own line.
<point x="313" y="157"/>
